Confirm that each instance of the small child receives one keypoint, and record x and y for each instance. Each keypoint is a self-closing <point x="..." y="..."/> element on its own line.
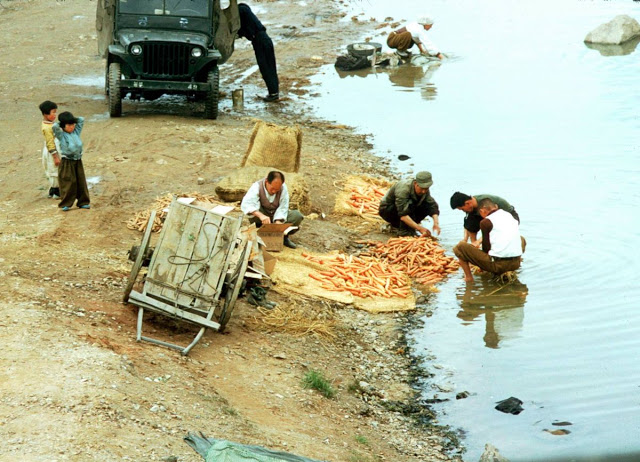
<point x="73" y="183"/>
<point x="50" y="156"/>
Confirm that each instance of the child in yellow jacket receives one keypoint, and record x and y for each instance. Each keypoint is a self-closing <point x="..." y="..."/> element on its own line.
<point x="50" y="155"/>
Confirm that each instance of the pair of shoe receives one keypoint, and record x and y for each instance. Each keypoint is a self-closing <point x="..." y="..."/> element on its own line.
<point x="271" y="97"/>
<point x="289" y="243"/>
<point x="86" y="206"/>
<point x="66" y="209"/>
<point x="258" y="297"/>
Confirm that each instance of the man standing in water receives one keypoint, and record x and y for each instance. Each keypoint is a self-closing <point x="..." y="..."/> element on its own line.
<point x="252" y="29"/>
<point x="407" y="203"/>
<point x="414" y="33"/>
<point x="502" y="245"/>
<point x="469" y="204"/>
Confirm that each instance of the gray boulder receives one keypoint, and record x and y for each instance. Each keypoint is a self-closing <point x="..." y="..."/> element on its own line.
<point x="491" y="454"/>
<point x="618" y="30"/>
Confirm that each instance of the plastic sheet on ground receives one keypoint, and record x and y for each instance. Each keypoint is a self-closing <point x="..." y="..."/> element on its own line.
<point x="214" y="450"/>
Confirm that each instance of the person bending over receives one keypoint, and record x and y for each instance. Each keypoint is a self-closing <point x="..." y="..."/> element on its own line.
<point x="502" y="245"/>
<point x="469" y="204"/>
<point x="267" y="201"/>
<point x="407" y="203"/>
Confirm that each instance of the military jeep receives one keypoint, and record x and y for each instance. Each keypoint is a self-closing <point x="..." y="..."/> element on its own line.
<point x="157" y="47"/>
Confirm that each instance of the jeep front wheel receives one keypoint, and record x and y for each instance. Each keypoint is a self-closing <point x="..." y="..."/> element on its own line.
<point x="211" y="98"/>
<point x="115" y="90"/>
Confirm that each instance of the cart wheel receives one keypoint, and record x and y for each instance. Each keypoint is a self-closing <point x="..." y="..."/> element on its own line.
<point x="234" y="283"/>
<point x="139" y="258"/>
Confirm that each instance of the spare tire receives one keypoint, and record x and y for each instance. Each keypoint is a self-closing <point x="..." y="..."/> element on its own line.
<point x="364" y="48"/>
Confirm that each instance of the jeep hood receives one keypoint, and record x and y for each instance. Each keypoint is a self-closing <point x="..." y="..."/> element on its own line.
<point x="129" y="36"/>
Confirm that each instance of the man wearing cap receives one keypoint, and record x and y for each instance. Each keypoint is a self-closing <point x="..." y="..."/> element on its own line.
<point x="267" y="201"/>
<point x="502" y="245"/>
<point x="469" y="204"/>
<point x="414" y="33"/>
<point x="407" y="203"/>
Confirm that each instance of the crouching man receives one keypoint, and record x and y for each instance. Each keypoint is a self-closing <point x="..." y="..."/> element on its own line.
<point x="502" y="245"/>
<point x="267" y="201"/>
<point x="407" y="203"/>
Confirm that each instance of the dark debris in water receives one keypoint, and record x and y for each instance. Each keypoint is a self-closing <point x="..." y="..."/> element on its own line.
<point x="559" y="432"/>
<point x="510" y="405"/>
<point x="564" y="423"/>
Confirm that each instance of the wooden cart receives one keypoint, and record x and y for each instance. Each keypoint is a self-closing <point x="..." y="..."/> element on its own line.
<point x="195" y="270"/>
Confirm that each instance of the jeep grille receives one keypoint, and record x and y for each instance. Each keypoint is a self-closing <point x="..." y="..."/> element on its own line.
<point x="165" y="59"/>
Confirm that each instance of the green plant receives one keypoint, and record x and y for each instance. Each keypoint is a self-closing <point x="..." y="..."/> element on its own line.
<point x="357" y="457"/>
<point x="315" y="380"/>
<point x="362" y="440"/>
<point x="229" y="410"/>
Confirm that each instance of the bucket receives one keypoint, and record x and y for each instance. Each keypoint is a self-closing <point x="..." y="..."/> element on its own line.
<point x="237" y="96"/>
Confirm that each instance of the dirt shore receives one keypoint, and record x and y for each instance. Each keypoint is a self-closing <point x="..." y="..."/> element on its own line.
<point x="74" y="384"/>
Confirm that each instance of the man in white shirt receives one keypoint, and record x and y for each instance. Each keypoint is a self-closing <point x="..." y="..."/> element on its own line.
<point x="502" y="245"/>
<point x="414" y="33"/>
<point x="267" y="201"/>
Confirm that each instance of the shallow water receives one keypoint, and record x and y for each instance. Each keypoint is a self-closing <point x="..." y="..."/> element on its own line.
<point x="526" y="111"/>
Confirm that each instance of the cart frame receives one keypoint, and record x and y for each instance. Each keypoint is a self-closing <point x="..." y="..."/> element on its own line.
<point x="195" y="273"/>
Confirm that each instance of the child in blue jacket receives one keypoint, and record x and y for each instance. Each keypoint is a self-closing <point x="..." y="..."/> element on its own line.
<point x="73" y="183"/>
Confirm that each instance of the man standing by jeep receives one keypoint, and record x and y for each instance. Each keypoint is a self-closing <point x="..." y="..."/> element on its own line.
<point x="252" y="29"/>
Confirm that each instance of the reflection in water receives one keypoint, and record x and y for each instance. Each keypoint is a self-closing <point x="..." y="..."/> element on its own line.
<point x="502" y="306"/>
<point x="622" y="49"/>
<point x="416" y="74"/>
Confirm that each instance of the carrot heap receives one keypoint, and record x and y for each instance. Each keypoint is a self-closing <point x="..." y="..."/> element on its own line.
<point x="366" y="199"/>
<point x="361" y="276"/>
<point x="420" y="258"/>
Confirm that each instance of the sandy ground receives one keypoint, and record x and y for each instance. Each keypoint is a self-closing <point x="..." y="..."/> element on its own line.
<point x="74" y="384"/>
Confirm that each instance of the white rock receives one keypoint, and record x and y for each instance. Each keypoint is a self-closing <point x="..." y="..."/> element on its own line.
<point x="618" y="30"/>
<point x="491" y="454"/>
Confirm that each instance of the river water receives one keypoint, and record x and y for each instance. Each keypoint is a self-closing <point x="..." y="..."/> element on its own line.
<point x="523" y="110"/>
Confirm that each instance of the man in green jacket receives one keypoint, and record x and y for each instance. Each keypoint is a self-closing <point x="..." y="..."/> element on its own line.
<point x="469" y="204"/>
<point x="407" y="203"/>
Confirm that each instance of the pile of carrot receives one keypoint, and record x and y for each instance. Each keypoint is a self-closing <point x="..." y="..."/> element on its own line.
<point x="422" y="258"/>
<point x="361" y="276"/>
<point x="366" y="199"/>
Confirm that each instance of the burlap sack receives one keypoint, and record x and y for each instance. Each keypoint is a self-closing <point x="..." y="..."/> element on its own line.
<point x="233" y="187"/>
<point x="274" y="146"/>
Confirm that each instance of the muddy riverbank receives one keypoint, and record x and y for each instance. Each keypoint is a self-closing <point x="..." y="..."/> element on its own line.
<point x="74" y="383"/>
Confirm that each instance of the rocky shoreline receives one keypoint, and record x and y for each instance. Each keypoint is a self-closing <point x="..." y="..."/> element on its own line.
<point x="89" y="389"/>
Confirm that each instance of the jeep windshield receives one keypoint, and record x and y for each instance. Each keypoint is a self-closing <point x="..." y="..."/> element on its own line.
<point x="193" y="8"/>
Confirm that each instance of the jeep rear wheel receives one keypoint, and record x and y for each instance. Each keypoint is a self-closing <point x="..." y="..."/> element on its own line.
<point x="211" y="98"/>
<point x="115" y="90"/>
